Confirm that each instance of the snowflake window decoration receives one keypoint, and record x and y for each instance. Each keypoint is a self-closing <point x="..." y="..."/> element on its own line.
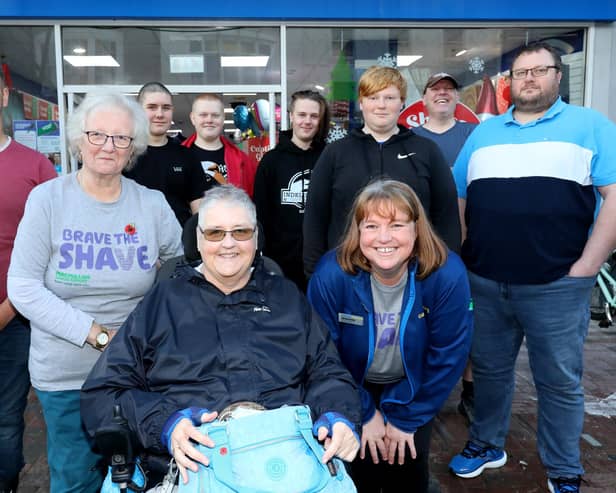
<point x="387" y="60"/>
<point x="335" y="133"/>
<point x="476" y="65"/>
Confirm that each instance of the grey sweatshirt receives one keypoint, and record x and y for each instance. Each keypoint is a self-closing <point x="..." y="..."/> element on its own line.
<point x="77" y="260"/>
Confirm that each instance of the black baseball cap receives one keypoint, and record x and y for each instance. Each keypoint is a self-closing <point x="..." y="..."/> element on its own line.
<point x="434" y="78"/>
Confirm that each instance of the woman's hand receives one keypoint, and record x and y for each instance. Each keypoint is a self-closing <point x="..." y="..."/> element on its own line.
<point x="182" y="444"/>
<point x="373" y="436"/>
<point x="397" y="440"/>
<point x="342" y="443"/>
<point x="96" y="329"/>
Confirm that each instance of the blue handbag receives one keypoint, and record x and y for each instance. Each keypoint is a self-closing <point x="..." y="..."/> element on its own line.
<point x="267" y="452"/>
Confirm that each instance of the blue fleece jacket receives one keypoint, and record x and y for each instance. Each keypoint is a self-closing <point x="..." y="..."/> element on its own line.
<point x="436" y="326"/>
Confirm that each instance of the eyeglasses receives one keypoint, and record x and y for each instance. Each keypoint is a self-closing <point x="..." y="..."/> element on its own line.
<point x="100" y="139"/>
<point x="539" y="71"/>
<point x="239" y="234"/>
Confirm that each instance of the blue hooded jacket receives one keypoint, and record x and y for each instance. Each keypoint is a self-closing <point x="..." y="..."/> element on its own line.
<point x="436" y="325"/>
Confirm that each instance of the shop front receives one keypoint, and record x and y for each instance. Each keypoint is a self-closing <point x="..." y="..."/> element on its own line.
<point x="257" y="57"/>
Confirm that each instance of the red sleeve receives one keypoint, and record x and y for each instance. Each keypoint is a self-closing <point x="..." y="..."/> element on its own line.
<point x="250" y="170"/>
<point x="46" y="170"/>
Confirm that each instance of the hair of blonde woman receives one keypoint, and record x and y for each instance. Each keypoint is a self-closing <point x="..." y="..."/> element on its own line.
<point x="385" y="197"/>
<point x="103" y="101"/>
<point x="377" y="78"/>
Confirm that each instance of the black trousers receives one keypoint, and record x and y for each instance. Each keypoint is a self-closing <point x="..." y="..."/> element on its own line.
<point x="411" y="477"/>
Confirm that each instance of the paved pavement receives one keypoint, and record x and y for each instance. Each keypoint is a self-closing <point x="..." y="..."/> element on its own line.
<point x="523" y="472"/>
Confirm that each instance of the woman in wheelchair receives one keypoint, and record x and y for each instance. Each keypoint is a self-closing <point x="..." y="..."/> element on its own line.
<point x="222" y="332"/>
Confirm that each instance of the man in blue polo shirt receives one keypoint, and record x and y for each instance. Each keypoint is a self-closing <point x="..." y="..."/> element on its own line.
<point x="530" y="184"/>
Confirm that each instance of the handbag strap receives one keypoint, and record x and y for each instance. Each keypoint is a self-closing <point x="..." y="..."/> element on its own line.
<point x="304" y="424"/>
<point x="221" y="460"/>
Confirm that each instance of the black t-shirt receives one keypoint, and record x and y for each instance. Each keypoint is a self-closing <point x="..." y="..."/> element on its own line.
<point x="174" y="171"/>
<point x="211" y="161"/>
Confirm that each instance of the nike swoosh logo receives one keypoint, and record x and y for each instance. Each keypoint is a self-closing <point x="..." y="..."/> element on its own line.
<point x="402" y="156"/>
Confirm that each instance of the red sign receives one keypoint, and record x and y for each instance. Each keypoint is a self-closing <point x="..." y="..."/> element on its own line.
<point x="257" y="146"/>
<point x="28" y="100"/>
<point x="43" y="108"/>
<point x="416" y="114"/>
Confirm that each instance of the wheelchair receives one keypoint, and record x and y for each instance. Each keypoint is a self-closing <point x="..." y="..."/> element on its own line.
<point x="130" y="470"/>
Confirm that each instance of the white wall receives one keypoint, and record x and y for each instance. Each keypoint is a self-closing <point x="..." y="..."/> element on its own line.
<point x="601" y="69"/>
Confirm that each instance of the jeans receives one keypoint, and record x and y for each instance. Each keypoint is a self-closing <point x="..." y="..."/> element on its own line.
<point x="73" y="466"/>
<point x="14" y="387"/>
<point x="554" y="318"/>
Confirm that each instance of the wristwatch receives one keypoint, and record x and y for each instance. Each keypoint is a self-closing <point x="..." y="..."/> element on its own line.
<point x="102" y="339"/>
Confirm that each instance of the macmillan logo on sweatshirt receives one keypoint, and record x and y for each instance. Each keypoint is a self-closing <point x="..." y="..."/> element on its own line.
<point x="296" y="191"/>
<point x="82" y="252"/>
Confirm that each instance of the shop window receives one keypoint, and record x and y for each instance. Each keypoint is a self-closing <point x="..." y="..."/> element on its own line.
<point x="174" y="56"/>
<point x="479" y="59"/>
<point x="28" y="64"/>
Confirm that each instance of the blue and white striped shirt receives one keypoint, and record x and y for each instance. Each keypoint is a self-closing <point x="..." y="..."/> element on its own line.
<point x="530" y="191"/>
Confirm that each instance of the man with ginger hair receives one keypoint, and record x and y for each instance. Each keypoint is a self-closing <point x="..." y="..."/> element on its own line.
<point x="220" y="158"/>
<point x="381" y="148"/>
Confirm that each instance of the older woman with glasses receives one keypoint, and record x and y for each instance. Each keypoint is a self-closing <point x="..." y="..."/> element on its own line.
<point x="224" y="332"/>
<point x="398" y="306"/>
<point x="86" y="252"/>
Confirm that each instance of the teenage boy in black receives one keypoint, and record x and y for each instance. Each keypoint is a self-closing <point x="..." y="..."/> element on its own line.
<point x="282" y="181"/>
<point x="166" y="165"/>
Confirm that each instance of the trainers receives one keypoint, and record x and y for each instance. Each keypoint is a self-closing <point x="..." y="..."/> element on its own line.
<point x="475" y="458"/>
<point x="564" y="485"/>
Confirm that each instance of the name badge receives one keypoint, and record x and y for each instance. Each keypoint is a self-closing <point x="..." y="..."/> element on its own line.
<point x="347" y="318"/>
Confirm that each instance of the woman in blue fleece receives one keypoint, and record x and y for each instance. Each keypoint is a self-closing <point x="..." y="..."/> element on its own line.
<point x="398" y="306"/>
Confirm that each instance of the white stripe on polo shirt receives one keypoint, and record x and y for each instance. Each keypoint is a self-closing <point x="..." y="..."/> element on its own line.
<point x="560" y="160"/>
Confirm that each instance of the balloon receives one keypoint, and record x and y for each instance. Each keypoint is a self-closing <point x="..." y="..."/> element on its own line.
<point x="277" y="112"/>
<point x="253" y="125"/>
<point x="241" y="117"/>
<point x="261" y="113"/>
<point x="251" y="115"/>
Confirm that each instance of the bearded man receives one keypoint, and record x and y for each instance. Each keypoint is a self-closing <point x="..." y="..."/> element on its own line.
<point x="529" y="185"/>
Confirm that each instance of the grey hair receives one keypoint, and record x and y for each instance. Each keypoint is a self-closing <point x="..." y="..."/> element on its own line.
<point x="105" y="100"/>
<point x="231" y="195"/>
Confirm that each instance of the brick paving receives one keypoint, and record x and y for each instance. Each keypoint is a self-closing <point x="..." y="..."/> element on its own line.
<point x="523" y="472"/>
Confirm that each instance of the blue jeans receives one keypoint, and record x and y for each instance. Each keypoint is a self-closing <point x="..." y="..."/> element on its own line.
<point x="554" y="318"/>
<point x="73" y="466"/>
<point x="14" y="387"/>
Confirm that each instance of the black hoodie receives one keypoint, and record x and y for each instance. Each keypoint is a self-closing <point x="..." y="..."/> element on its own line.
<point x="281" y="186"/>
<point x="349" y="164"/>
